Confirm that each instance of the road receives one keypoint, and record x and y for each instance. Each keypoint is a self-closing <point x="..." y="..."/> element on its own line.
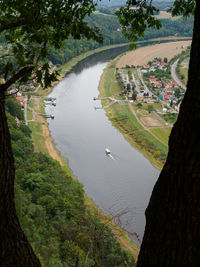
<point x="146" y="89"/>
<point x="25" y="110"/>
<point x="174" y="75"/>
<point x="136" y="83"/>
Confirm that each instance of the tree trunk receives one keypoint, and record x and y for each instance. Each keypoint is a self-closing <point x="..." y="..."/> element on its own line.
<point x="172" y="233"/>
<point x="14" y="248"/>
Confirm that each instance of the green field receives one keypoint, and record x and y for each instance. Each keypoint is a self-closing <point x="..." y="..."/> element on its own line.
<point x="162" y="133"/>
<point x="184" y="72"/>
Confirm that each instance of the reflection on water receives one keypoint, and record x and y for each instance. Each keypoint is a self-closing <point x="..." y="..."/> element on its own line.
<point x="100" y="57"/>
<point x="121" y="183"/>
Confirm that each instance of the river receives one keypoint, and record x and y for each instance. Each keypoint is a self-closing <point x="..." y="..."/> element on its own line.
<point x="120" y="185"/>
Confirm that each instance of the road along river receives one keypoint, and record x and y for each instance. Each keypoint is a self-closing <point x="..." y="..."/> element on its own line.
<point x="119" y="184"/>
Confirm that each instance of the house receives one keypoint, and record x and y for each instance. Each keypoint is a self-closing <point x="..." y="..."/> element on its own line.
<point x="169" y="92"/>
<point x="2" y="80"/>
<point x="158" y="84"/>
<point x="165" y="97"/>
<point x="152" y="80"/>
<point x="13" y="91"/>
<point x="130" y="96"/>
<point x="152" y="69"/>
<point x="21" y="100"/>
<point x="144" y="71"/>
<point x="171" y="85"/>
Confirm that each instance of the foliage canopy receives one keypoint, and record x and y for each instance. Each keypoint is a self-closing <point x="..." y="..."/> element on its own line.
<point x="31" y="27"/>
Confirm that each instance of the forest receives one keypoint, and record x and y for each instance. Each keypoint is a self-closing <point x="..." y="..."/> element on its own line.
<point x="51" y="208"/>
<point x="111" y="31"/>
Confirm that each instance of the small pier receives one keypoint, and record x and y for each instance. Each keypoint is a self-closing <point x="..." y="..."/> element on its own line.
<point x="50" y="101"/>
<point x="47" y="116"/>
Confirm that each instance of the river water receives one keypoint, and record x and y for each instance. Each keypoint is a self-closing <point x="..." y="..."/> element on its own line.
<point x="120" y="185"/>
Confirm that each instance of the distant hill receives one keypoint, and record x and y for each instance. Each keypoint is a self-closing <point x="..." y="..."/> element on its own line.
<point x="111" y="3"/>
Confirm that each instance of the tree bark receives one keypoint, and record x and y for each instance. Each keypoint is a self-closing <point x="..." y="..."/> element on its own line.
<point x="14" y="247"/>
<point x="172" y="233"/>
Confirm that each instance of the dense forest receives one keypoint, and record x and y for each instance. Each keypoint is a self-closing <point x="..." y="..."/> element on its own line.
<point x="110" y="28"/>
<point x="111" y="31"/>
<point x="51" y="208"/>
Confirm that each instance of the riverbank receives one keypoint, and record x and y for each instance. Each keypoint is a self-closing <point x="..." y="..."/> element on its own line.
<point x="144" y="130"/>
<point x="123" y="116"/>
<point x="43" y="142"/>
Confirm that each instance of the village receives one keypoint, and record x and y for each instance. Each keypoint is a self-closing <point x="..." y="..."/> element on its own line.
<point x="151" y="83"/>
<point x="26" y="92"/>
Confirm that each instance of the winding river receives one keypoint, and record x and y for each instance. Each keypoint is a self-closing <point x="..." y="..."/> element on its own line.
<point x="120" y="184"/>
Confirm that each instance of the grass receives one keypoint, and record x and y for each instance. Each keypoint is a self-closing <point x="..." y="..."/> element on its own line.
<point x="104" y="14"/>
<point x="156" y="106"/>
<point x="169" y="117"/>
<point x="184" y="72"/>
<point x="36" y="127"/>
<point x="134" y="143"/>
<point x="131" y="127"/>
<point x="108" y="85"/>
<point x="162" y="133"/>
<point x="30" y="103"/>
<point x="37" y="136"/>
<point x="29" y="115"/>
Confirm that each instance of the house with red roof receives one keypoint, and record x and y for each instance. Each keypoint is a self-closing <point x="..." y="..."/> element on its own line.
<point x="21" y="100"/>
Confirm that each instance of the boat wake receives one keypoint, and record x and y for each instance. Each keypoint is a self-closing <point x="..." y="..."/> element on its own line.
<point x="111" y="157"/>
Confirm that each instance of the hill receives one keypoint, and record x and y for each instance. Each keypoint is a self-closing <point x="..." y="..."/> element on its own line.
<point x="51" y="208"/>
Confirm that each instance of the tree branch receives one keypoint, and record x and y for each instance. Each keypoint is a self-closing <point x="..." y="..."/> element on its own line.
<point x="12" y="25"/>
<point x="16" y="77"/>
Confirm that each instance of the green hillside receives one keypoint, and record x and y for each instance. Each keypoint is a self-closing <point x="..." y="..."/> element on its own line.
<point x="52" y="211"/>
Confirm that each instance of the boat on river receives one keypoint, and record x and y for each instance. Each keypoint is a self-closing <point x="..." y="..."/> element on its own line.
<point x="107" y="151"/>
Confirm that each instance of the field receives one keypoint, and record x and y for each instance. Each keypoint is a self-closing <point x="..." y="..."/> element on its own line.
<point x="165" y="15"/>
<point x="184" y="72"/>
<point x="143" y="55"/>
<point x="162" y="133"/>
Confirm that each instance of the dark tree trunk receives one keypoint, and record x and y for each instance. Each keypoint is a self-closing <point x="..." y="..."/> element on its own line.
<point x="172" y="234"/>
<point x="14" y="248"/>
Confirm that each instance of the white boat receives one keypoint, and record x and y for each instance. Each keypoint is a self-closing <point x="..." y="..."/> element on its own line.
<point x="107" y="151"/>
